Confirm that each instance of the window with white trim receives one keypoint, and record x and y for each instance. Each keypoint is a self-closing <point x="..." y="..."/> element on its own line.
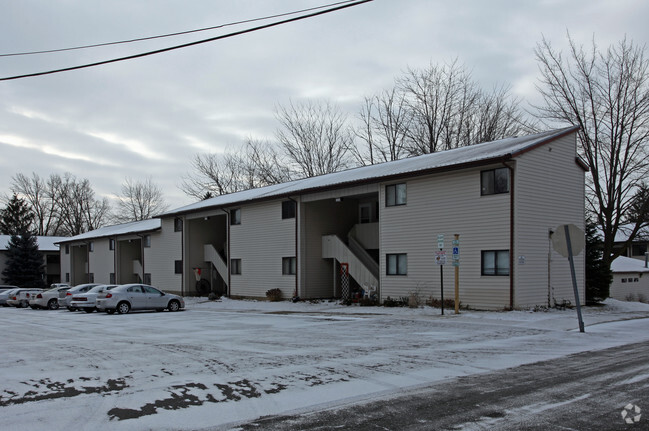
<point x="395" y="194"/>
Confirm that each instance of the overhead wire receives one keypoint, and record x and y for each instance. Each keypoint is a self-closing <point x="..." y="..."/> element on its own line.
<point x="179" y="33"/>
<point x="185" y="45"/>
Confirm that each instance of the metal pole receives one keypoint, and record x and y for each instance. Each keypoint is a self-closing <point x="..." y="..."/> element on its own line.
<point x="457" y="279"/>
<point x="441" y="274"/>
<point x="574" y="278"/>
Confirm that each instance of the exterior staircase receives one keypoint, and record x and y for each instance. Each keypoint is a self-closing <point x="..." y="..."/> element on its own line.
<point x="214" y="257"/>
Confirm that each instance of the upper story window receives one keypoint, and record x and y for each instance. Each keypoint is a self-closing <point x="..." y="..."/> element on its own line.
<point x="235" y="216"/>
<point x="147" y="242"/>
<point x="494" y="181"/>
<point x="91" y="246"/>
<point x="395" y="194"/>
<point x="288" y="209"/>
<point x="178" y="224"/>
<point x="111" y="244"/>
<point x="67" y="249"/>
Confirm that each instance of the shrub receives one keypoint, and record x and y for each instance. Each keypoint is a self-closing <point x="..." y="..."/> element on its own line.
<point x="396" y="302"/>
<point x="436" y="303"/>
<point x="274" y="294"/>
<point x="213" y="296"/>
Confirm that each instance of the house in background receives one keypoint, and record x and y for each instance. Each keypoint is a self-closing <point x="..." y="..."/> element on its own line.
<point x="376" y="229"/>
<point x="48" y="245"/>
<point x="113" y="254"/>
<point x="640" y="244"/>
<point x="630" y="279"/>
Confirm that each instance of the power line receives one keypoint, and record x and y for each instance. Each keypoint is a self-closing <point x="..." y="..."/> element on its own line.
<point x="185" y="45"/>
<point x="180" y="33"/>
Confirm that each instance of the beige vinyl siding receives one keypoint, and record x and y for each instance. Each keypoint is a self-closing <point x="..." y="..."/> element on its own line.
<point x="260" y="241"/>
<point x="166" y="247"/>
<point x="65" y="264"/>
<point x="448" y="203"/>
<point x="325" y="217"/>
<point x="101" y="261"/>
<point x="549" y="191"/>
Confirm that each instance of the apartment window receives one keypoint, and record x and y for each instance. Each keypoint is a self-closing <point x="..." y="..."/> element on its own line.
<point x="91" y="277"/>
<point x="178" y="225"/>
<point x="624" y="280"/>
<point x="91" y="246"/>
<point x="235" y="266"/>
<point x="395" y="194"/>
<point x="67" y="277"/>
<point x="494" y="181"/>
<point x="235" y="216"/>
<point x="147" y="278"/>
<point x="638" y="249"/>
<point x="396" y="264"/>
<point x="495" y="262"/>
<point x="178" y="267"/>
<point x="288" y="209"/>
<point x="111" y="244"/>
<point x="289" y="266"/>
<point x="147" y="240"/>
<point x="67" y="249"/>
<point x="111" y="278"/>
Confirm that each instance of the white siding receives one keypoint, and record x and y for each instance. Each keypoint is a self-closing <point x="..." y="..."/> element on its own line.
<point x="260" y="241"/>
<point x="101" y="261"/>
<point x="65" y="264"/>
<point x="635" y="287"/>
<point x="448" y="203"/>
<point x="549" y="191"/>
<point x="166" y="248"/>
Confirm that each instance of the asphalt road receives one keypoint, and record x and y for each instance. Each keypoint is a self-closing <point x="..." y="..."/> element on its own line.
<point x="586" y="391"/>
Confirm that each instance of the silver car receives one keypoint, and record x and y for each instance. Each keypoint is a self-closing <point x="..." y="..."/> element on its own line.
<point x="87" y="301"/>
<point x="4" y="295"/>
<point x="49" y="299"/>
<point x="129" y="297"/>
<point x="79" y="288"/>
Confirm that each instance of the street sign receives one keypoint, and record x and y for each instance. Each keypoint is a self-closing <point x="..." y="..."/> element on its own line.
<point x="560" y="243"/>
<point x="440" y="257"/>
<point x="440" y="241"/>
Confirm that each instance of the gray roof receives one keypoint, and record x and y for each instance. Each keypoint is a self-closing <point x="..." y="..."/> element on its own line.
<point x="456" y="158"/>
<point x="45" y="243"/>
<point x="628" y="264"/>
<point x="118" y="229"/>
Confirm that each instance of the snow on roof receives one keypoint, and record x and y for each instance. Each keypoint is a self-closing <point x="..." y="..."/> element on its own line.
<point x="628" y="264"/>
<point x="118" y="229"/>
<point x="443" y="159"/>
<point x="625" y="230"/>
<point x="45" y="243"/>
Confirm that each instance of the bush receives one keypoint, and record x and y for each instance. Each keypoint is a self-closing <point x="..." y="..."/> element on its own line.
<point x="274" y="294"/>
<point x="399" y="302"/>
<point x="436" y="303"/>
<point x="213" y="296"/>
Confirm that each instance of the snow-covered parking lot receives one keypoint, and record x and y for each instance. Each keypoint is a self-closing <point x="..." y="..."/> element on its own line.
<point x="220" y="363"/>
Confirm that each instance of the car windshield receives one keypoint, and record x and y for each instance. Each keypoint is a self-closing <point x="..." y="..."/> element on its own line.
<point x="97" y="289"/>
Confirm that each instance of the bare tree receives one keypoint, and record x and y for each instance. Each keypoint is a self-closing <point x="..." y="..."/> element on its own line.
<point x="385" y="127"/>
<point x="314" y="137"/>
<point x="605" y="93"/>
<point x="40" y="194"/>
<point x="139" y="200"/>
<point x="78" y="209"/>
<point x="266" y="165"/>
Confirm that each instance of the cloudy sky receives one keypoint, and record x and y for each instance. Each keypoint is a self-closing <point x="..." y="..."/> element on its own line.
<point x="148" y="117"/>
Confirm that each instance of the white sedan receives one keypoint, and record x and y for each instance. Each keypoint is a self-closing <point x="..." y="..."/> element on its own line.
<point x="49" y="299"/>
<point x="86" y="301"/>
<point x="129" y="297"/>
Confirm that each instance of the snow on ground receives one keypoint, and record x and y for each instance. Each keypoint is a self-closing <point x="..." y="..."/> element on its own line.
<point x="220" y="363"/>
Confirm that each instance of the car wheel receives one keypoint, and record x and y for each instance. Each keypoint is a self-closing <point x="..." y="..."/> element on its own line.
<point x="110" y="311"/>
<point x="33" y="307"/>
<point x="53" y="304"/>
<point x="174" y="305"/>
<point x="24" y="304"/>
<point x="123" y="307"/>
<point x="89" y="309"/>
<point x="72" y="309"/>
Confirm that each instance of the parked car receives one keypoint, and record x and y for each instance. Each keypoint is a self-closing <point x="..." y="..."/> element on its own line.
<point x="79" y="288"/>
<point x="87" y="301"/>
<point x="49" y="299"/>
<point x="4" y="296"/>
<point x="20" y="297"/>
<point x="129" y="297"/>
<point x="53" y="285"/>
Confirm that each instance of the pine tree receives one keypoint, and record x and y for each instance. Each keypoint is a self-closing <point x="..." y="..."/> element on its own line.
<point x="16" y="218"/>
<point x="24" y="266"/>
<point x="598" y="274"/>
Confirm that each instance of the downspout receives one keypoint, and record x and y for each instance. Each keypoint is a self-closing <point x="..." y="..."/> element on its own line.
<point x="227" y="260"/>
<point x="182" y="255"/>
<point x="297" y="266"/>
<point x="511" y="235"/>
<point x="115" y="260"/>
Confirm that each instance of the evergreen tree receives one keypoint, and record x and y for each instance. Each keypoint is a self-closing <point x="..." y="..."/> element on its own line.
<point x="25" y="265"/>
<point x="16" y="218"/>
<point x="598" y="274"/>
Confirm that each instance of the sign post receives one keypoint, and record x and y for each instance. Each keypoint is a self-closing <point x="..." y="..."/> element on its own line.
<point x="440" y="259"/>
<point x="568" y="240"/>
<point x="456" y="264"/>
